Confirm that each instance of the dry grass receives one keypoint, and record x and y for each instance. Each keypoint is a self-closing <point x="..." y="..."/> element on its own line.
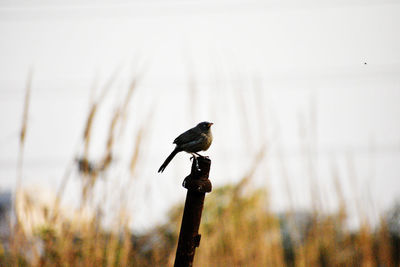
<point x="238" y="227"/>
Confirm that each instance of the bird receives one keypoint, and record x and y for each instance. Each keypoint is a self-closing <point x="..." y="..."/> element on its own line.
<point x="198" y="138"/>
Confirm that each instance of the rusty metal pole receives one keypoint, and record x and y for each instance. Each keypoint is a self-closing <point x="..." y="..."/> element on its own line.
<point x="198" y="185"/>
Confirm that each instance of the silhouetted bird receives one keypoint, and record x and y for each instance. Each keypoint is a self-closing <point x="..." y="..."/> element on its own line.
<point x="197" y="139"/>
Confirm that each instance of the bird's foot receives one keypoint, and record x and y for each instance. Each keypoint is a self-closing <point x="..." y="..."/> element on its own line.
<point x="196" y="161"/>
<point x="201" y="156"/>
<point x="197" y="165"/>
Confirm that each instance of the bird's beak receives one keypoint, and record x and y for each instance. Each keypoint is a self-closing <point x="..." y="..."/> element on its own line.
<point x="209" y="125"/>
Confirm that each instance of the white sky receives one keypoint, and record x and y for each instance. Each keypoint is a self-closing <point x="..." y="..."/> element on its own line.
<point x="308" y="55"/>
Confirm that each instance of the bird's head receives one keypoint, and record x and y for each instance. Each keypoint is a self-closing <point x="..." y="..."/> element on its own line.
<point x="205" y="125"/>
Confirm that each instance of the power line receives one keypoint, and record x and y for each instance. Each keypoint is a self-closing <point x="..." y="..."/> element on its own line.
<point x="289" y="153"/>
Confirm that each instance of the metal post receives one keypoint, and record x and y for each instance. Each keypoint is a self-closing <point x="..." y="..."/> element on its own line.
<point x="197" y="184"/>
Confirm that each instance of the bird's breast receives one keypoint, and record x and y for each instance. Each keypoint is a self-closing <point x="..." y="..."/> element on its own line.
<point x="208" y="140"/>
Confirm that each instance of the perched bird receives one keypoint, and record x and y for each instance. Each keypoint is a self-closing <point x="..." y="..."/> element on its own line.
<point x="197" y="139"/>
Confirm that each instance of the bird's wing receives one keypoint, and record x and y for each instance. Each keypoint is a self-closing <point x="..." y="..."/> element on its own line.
<point x="188" y="136"/>
<point x="194" y="145"/>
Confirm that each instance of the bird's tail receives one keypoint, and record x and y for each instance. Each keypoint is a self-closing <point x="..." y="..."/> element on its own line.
<point x="167" y="161"/>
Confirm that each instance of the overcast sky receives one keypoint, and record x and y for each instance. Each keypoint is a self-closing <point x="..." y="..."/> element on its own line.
<point x="340" y="58"/>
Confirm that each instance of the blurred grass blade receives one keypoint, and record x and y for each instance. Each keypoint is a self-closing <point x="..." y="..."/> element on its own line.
<point x="24" y="127"/>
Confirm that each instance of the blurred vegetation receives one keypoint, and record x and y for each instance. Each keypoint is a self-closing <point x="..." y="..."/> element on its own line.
<point x="238" y="227"/>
